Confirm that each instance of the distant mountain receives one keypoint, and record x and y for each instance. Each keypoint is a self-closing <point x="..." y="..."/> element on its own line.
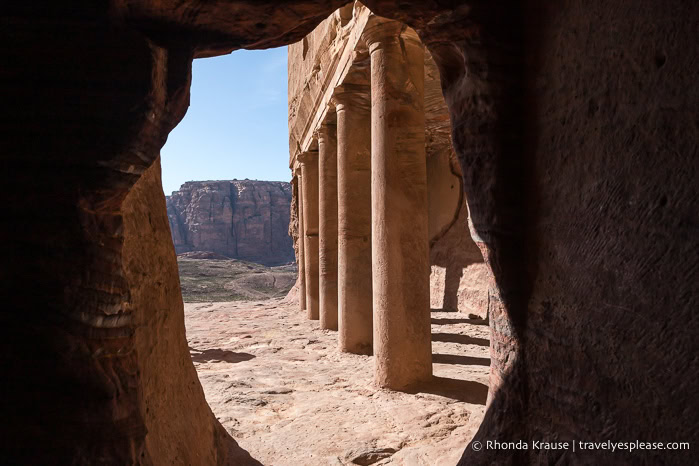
<point x="241" y="219"/>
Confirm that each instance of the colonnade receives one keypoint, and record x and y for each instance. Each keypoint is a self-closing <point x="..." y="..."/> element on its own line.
<point x="363" y="212"/>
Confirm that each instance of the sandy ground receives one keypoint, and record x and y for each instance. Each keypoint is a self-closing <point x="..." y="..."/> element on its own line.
<point x="223" y="279"/>
<point x="280" y="387"/>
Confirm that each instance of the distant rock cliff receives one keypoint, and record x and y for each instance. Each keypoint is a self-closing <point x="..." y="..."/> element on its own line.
<point x="242" y="219"/>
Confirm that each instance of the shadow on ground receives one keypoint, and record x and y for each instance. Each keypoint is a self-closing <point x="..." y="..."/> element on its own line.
<point x="459" y="359"/>
<point x="466" y="391"/>
<point x="461" y="339"/>
<point x="218" y="355"/>
<point x="459" y="321"/>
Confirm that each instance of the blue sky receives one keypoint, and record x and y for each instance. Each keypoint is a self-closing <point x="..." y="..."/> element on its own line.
<point x="236" y="125"/>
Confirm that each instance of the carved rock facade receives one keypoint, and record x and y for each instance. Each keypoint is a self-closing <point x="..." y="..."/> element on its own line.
<point x="327" y="68"/>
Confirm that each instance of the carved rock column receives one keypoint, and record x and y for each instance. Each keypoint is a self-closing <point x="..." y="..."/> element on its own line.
<point x="327" y="168"/>
<point x="309" y="197"/>
<point x="402" y="340"/>
<point x="352" y="104"/>
<point x="302" y="236"/>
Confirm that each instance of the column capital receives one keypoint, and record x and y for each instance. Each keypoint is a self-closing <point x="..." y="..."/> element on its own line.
<point x="380" y="30"/>
<point x="308" y="156"/>
<point x="356" y="96"/>
<point x="323" y="131"/>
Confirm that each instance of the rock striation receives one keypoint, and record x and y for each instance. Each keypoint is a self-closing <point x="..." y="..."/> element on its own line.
<point x="240" y="219"/>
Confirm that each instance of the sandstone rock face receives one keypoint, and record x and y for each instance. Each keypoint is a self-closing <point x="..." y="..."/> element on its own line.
<point x="240" y="219"/>
<point x="147" y="253"/>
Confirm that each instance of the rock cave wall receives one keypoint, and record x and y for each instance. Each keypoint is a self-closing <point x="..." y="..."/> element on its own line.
<point x="150" y="258"/>
<point x="93" y="89"/>
<point x="575" y="128"/>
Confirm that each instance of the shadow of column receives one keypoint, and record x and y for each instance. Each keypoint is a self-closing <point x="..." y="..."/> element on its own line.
<point x="452" y="279"/>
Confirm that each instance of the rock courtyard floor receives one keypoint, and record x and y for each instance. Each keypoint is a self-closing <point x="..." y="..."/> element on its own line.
<point x="278" y="384"/>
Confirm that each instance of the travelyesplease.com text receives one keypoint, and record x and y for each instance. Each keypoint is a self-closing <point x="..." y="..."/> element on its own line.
<point x="578" y="445"/>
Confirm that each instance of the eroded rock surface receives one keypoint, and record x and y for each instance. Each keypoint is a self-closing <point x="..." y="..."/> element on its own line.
<point x="240" y="219"/>
<point x="163" y="355"/>
<point x="281" y="388"/>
